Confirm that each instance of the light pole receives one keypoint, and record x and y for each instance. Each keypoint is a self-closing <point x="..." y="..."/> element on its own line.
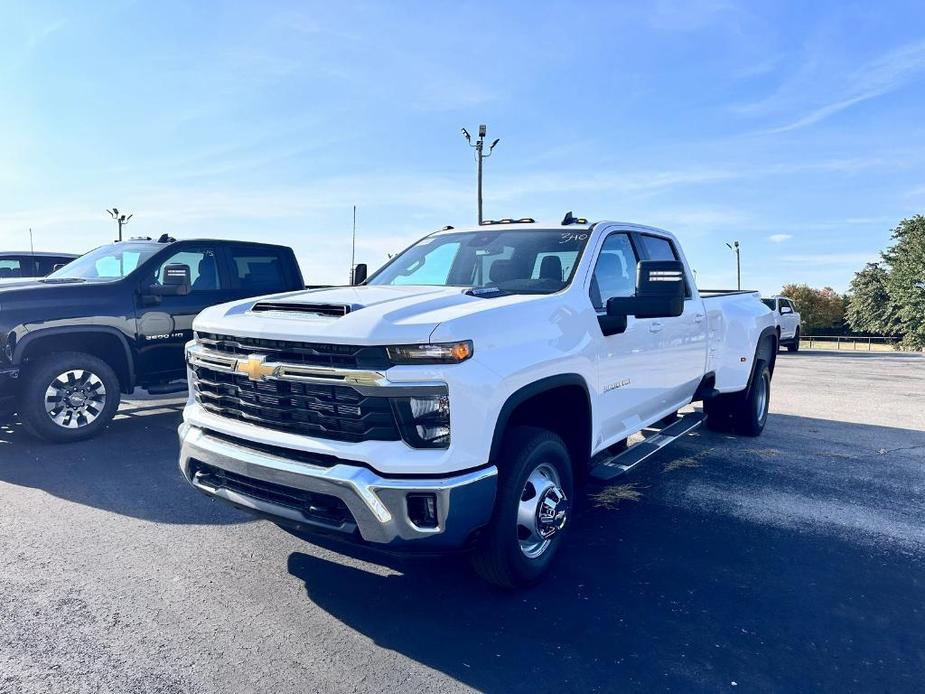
<point x="479" y="147"/>
<point x="121" y="219"/>
<point x="734" y="246"/>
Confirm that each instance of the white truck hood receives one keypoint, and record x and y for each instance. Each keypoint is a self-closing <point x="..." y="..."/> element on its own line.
<point x="377" y="314"/>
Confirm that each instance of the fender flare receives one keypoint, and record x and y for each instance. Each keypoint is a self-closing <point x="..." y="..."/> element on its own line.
<point x="771" y="332"/>
<point x="30" y="337"/>
<point x="521" y="395"/>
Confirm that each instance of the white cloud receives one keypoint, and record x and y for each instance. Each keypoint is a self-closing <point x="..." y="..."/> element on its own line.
<point x="820" y="89"/>
<point x="779" y="238"/>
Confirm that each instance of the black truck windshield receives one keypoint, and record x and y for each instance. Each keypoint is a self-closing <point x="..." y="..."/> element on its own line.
<point x="539" y="261"/>
<point x="106" y="263"/>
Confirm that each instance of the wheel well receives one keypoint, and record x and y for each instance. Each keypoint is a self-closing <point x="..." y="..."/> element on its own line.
<point x="564" y="410"/>
<point x="102" y="345"/>
<point x="767" y="348"/>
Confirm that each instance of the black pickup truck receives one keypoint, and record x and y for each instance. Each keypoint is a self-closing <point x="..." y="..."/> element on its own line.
<point x="117" y="319"/>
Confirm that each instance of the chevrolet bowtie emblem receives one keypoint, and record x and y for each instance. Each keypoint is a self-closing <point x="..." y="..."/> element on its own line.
<point x="255" y="368"/>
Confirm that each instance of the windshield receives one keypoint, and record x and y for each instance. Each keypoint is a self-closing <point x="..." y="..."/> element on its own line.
<point x="769" y="303"/>
<point x="513" y="261"/>
<point x="107" y="263"/>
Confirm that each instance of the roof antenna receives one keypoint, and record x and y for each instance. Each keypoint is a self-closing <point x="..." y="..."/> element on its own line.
<point x="568" y="219"/>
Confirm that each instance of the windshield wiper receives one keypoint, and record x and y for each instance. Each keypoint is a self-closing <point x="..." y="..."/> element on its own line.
<point x="61" y="280"/>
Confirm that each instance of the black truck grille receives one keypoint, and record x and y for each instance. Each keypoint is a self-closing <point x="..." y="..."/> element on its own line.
<point x="323" y="508"/>
<point x="327" y="411"/>
<point x="309" y="353"/>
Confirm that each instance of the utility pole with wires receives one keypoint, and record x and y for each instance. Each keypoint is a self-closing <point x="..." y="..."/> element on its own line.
<point x="734" y="246"/>
<point x="121" y="219"/>
<point x="353" y="247"/>
<point x="479" y="147"/>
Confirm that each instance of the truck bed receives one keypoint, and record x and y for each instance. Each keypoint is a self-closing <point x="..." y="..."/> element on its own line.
<point x="713" y="293"/>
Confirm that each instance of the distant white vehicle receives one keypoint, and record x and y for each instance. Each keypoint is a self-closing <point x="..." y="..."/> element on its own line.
<point x="788" y="321"/>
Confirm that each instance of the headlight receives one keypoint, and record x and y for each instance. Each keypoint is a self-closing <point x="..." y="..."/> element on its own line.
<point x="439" y="353"/>
<point x="424" y="420"/>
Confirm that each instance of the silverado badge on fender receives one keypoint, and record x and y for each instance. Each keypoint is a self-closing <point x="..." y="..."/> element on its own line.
<point x="254" y="367"/>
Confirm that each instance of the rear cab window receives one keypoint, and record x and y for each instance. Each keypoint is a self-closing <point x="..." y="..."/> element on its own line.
<point x="259" y="270"/>
<point x="10" y="267"/>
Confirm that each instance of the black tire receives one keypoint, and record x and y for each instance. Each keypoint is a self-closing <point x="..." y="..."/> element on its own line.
<point x="744" y="413"/>
<point x="751" y="414"/>
<point x="794" y="344"/>
<point x="503" y="553"/>
<point x="98" y="397"/>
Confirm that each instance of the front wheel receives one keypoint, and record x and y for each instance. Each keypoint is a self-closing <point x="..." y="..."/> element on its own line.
<point x="532" y="509"/>
<point x="68" y="396"/>
<point x="794" y="345"/>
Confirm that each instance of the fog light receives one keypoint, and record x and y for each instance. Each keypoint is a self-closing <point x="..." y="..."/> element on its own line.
<point x="422" y="510"/>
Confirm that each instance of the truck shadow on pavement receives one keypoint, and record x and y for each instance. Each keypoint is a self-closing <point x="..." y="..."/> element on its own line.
<point x="130" y="469"/>
<point x="739" y="572"/>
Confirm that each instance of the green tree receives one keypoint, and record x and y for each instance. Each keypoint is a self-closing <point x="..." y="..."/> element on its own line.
<point x="869" y="307"/>
<point x="820" y="310"/>
<point x="905" y="281"/>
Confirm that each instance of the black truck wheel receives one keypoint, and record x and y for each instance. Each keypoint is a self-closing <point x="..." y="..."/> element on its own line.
<point x="794" y="344"/>
<point x="68" y="396"/>
<point x="746" y="412"/>
<point x="532" y="509"/>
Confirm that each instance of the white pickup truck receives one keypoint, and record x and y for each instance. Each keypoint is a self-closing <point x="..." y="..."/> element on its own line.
<point x="788" y="321"/>
<point x="460" y="397"/>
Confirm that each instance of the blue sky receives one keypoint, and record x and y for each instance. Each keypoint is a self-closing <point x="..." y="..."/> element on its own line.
<point x="796" y="128"/>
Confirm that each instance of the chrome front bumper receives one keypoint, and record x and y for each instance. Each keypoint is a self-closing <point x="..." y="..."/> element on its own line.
<point x="377" y="504"/>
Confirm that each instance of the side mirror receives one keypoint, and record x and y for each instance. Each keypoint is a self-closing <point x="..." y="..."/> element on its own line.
<point x="786" y="309"/>
<point x="359" y="274"/>
<point x="176" y="281"/>
<point x="660" y="291"/>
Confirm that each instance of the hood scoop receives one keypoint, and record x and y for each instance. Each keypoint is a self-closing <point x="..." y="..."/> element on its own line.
<point x="333" y="310"/>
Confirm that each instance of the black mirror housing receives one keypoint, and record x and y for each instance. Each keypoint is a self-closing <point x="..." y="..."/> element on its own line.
<point x="660" y="291"/>
<point x="359" y="274"/>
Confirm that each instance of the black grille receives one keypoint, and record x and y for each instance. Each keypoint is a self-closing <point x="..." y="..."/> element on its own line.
<point x="313" y="354"/>
<point x="322" y="508"/>
<point x="326" y="411"/>
<point x="316" y="459"/>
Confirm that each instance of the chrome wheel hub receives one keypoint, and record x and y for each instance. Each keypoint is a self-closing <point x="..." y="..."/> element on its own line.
<point x="761" y="399"/>
<point x="75" y="398"/>
<point x="542" y="511"/>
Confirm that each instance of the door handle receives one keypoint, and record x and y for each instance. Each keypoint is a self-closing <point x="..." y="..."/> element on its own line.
<point x="656" y="327"/>
<point x="698" y="318"/>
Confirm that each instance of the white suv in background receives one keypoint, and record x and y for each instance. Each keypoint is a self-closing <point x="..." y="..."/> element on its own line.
<point x="788" y="321"/>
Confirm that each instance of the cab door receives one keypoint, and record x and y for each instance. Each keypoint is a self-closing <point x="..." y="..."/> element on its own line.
<point x="165" y="323"/>
<point x="627" y="371"/>
<point x="681" y="341"/>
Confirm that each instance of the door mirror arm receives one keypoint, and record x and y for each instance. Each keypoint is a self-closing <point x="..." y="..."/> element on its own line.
<point x="612" y="324"/>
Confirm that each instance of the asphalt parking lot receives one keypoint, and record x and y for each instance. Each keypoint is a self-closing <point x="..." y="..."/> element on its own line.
<point x="791" y="562"/>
